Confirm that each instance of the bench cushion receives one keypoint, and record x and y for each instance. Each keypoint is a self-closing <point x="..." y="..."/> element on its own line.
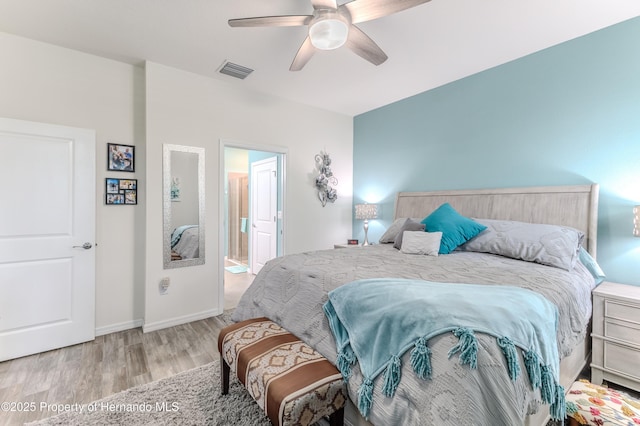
<point x="590" y="404"/>
<point x="290" y="381"/>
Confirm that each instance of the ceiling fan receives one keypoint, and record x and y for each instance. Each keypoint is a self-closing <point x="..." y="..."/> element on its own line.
<point x="332" y="26"/>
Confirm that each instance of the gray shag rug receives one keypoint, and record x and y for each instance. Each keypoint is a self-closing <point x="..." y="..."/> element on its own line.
<point x="189" y="398"/>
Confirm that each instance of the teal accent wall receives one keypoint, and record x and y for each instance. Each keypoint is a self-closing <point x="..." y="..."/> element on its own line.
<point x="566" y="115"/>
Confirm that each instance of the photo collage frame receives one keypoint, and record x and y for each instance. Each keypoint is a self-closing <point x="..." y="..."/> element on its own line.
<point x="121" y="191"/>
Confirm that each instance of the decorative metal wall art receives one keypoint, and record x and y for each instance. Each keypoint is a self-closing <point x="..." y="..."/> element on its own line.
<point x="326" y="181"/>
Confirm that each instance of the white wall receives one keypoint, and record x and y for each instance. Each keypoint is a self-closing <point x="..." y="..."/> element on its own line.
<point x="188" y="109"/>
<point x="44" y="83"/>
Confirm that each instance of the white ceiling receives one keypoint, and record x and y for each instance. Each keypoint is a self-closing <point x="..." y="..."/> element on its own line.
<point x="428" y="46"/>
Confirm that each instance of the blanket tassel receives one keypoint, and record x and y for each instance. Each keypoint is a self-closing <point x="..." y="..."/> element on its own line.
<point x="392" y="377"/>
<point x="571" y="407"/>
<point x="532" y="364"/>
<point x="548" y="389"/>
<point x="346" y="358"/>
<point x="509" y="351"/>
<point x="559" y="407"/>
<point x="467" y="346"/>
<point x="421" y="359"/>
<point x="365" y="398"/>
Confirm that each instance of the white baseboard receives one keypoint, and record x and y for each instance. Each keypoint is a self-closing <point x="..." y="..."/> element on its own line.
<point x="159" y="325"/>
<point x="114" y="328"/>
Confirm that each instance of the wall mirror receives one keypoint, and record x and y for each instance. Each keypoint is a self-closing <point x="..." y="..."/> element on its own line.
<point x="183" y="206"/>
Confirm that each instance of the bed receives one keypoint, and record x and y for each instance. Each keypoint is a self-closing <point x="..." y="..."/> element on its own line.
<point x="292" y="291"/>
<point x="185" y="242"/>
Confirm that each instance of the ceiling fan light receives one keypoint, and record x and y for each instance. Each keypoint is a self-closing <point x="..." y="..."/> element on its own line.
<point x="328" y="33"/>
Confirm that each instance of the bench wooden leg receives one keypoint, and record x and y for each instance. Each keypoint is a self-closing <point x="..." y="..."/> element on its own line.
<point x="337" y="418"/>
<point x="224" y="375"/>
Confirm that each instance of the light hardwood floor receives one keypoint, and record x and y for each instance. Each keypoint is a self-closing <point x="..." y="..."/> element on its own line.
<point x="86" y="372"/>
<point x="234" y="286"/>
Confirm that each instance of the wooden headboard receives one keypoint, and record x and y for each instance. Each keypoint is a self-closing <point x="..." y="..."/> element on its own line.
<point x="575" y="206"/>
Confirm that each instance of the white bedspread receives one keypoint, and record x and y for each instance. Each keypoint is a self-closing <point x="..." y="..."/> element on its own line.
<point x="291" y="291"/>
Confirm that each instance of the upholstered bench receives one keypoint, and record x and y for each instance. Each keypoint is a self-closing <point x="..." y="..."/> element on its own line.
<point x="289" y="380"/>
<point x="589" y="404"/>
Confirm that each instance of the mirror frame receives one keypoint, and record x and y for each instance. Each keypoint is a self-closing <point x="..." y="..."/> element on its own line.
<point x="167" y="149"/>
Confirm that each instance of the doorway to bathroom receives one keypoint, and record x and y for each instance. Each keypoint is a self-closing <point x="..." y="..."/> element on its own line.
<point x="253" y="179"/>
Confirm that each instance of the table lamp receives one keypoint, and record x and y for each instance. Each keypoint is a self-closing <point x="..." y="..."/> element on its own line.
<point x="366" y="212"/>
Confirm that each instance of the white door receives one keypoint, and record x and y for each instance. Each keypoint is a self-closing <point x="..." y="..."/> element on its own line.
<point x="264" y="211"/>
<point x="47" y="214"/>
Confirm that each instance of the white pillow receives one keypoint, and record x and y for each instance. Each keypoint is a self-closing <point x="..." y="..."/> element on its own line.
<point x="418" y="242"/>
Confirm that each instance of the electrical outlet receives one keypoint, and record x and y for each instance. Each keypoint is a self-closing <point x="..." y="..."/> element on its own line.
<point x="163" y="287"/>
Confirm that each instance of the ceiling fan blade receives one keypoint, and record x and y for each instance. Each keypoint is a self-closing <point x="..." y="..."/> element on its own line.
<point x="364" y="47"/>
<point x="324" y="4"/>
<point x="271" y="21"/>
<point x="305" y="53"/>
<point x="367" y="10"/>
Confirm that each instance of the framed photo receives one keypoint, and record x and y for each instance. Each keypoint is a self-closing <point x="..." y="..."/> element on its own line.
<point x="121" y="158"/>
<point x="121" y="191"/>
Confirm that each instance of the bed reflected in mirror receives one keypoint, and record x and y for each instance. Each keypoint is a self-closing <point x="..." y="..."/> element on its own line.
<point x="183" y="206"/>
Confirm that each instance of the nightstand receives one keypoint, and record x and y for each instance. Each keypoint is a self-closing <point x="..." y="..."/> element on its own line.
<point x="336" y="246"/>
<point x="616" y="335"/>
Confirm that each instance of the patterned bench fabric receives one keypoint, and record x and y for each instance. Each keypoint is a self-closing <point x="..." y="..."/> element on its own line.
<point x="590" y="404"/>
<point x="289" y="380"/>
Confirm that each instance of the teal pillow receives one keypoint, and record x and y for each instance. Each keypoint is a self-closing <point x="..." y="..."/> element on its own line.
<point x="456" y="229"/>
<point x="591" y="264"/>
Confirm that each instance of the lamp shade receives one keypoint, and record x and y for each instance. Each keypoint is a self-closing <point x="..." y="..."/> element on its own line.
<point x="636" y="221"/>
<point x="366" y="211"/>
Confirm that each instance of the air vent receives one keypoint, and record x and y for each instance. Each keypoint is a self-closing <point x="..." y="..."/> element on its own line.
<point x="235" y="70"/>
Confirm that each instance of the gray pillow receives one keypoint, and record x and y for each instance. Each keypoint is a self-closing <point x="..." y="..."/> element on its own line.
<point x="545" y="244"/>
<point x="409" y="225"/>
<point x="391" y="233"/>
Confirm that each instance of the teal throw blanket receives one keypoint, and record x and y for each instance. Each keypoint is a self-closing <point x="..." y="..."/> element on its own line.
<point x="376" y="321"/>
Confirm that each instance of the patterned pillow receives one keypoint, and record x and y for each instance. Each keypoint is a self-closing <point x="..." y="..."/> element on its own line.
<point x="456" y="229"/>
<point x="545" y="244"/>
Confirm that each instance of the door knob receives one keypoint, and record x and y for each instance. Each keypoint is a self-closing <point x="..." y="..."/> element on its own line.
<point x="85" y="246"/>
